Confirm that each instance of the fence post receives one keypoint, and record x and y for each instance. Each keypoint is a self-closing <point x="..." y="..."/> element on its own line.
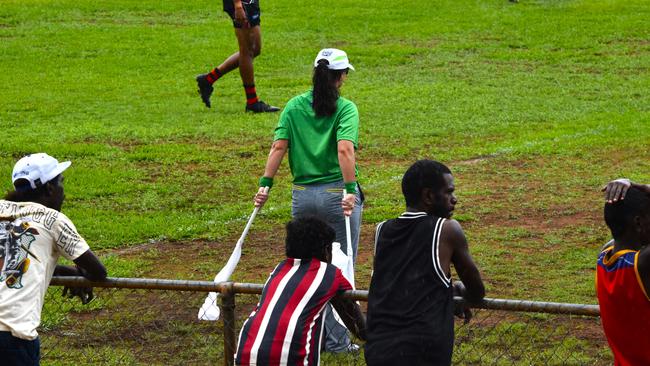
<point x="229" y="323"/>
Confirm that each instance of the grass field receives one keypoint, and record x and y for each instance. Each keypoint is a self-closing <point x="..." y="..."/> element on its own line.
<point x="534" y="105"/>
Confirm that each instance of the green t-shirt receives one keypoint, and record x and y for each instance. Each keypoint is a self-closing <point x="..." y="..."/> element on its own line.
<point x="313" y="153"/>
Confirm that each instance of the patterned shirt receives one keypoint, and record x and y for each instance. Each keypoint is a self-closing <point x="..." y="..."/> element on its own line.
<point x="286" y="326"/>
<point x="32" y="237"/>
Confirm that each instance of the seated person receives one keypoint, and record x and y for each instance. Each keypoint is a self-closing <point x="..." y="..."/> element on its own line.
<point x="286" y="326"/>
<point x="410" y="301"/>
<point x="623" y="273"/>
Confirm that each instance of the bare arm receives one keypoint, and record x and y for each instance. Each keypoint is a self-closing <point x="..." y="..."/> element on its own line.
<point x="91" y="267"/>
<point x="351" y="315"/>
<point x="462" y="260"/>
<point x="278" y="150"/>
<point x="347" y="162"/>
<point x="87" y="265"/>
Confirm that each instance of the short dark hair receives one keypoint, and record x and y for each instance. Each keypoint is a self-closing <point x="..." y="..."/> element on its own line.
<point x="422" y="174"/>
<point x="307" y="237"/>
<point x="618" y="215"/>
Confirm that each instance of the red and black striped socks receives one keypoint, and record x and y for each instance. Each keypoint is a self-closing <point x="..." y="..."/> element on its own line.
<point x="213" y="76"/>
<point x="251" y="94"/>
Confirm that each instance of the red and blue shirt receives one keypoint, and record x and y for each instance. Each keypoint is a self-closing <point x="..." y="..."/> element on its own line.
<point x="624" y="306"/>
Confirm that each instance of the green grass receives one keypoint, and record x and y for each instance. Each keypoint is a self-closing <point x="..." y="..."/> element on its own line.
<point x="533" y="105"/>
<point x="111" y="87"/>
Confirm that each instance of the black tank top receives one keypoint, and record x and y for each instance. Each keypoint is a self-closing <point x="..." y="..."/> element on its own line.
<point x="410" y="301"/>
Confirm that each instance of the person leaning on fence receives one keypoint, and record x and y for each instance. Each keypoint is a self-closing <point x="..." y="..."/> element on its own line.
<point x="410" y="300"/>
<point x="623" y="273"/>
<point x="320" y="131"/>
<point x="285" y="327"/>
<point x="33" y="234"/>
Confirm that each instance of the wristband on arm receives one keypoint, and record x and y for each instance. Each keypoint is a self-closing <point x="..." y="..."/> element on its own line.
<point x="266" y="182"/>
<point x="351" y="187"/>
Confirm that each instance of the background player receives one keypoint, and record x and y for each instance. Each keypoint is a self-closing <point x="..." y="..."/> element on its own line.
<point x="245" y="15"/>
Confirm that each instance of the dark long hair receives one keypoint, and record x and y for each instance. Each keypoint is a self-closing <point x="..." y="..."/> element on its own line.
<point x="25" y="193"/>
<point x="325" y="91"/>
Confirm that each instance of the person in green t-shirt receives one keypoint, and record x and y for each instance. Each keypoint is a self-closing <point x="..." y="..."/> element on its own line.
<point x="320" y="131"/>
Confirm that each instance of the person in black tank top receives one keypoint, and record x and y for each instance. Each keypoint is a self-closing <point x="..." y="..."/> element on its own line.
<point x="410" y="301"/>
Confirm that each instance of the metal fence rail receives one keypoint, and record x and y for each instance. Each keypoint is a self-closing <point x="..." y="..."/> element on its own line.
<point x="154" y="322"/>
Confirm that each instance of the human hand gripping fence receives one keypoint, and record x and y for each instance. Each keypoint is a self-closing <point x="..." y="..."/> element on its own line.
<point x="209" y="310"/>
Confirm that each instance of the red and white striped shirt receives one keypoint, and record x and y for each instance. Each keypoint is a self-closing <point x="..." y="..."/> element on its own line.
<point x="286" y="326"/>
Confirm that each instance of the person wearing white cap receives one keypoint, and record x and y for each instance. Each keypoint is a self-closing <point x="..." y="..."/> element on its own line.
<point x="33" y="234"/>
<point x="320" y="131"/>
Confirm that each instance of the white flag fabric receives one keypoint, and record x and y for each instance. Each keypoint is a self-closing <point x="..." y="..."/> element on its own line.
<point x="346" y="264"/>
<point x="343" y="262"/>
<point x="210" y="310"/>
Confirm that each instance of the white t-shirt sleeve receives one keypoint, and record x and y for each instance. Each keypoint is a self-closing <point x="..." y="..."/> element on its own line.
<point x="68" y="242"/>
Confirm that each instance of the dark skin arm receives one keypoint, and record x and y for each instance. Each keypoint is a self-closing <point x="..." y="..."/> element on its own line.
<point x="462" y="260"/>
<point x="351" y="315"/>
<point x="86" y="265"/>
<point x="454" y="249"/>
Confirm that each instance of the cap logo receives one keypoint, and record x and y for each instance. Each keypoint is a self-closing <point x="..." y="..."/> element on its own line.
<point x="327" y="53"/>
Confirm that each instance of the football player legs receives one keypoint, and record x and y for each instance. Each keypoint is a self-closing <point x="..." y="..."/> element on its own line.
<point x="246" y="21"/>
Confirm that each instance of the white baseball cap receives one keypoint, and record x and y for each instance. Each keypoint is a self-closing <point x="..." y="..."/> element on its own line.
<point x="337" y="59"/>
<point x="38" y="169"/>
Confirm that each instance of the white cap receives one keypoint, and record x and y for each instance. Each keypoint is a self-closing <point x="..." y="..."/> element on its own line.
<point x="337" y="59"/>
<point x="38" y="169"/>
